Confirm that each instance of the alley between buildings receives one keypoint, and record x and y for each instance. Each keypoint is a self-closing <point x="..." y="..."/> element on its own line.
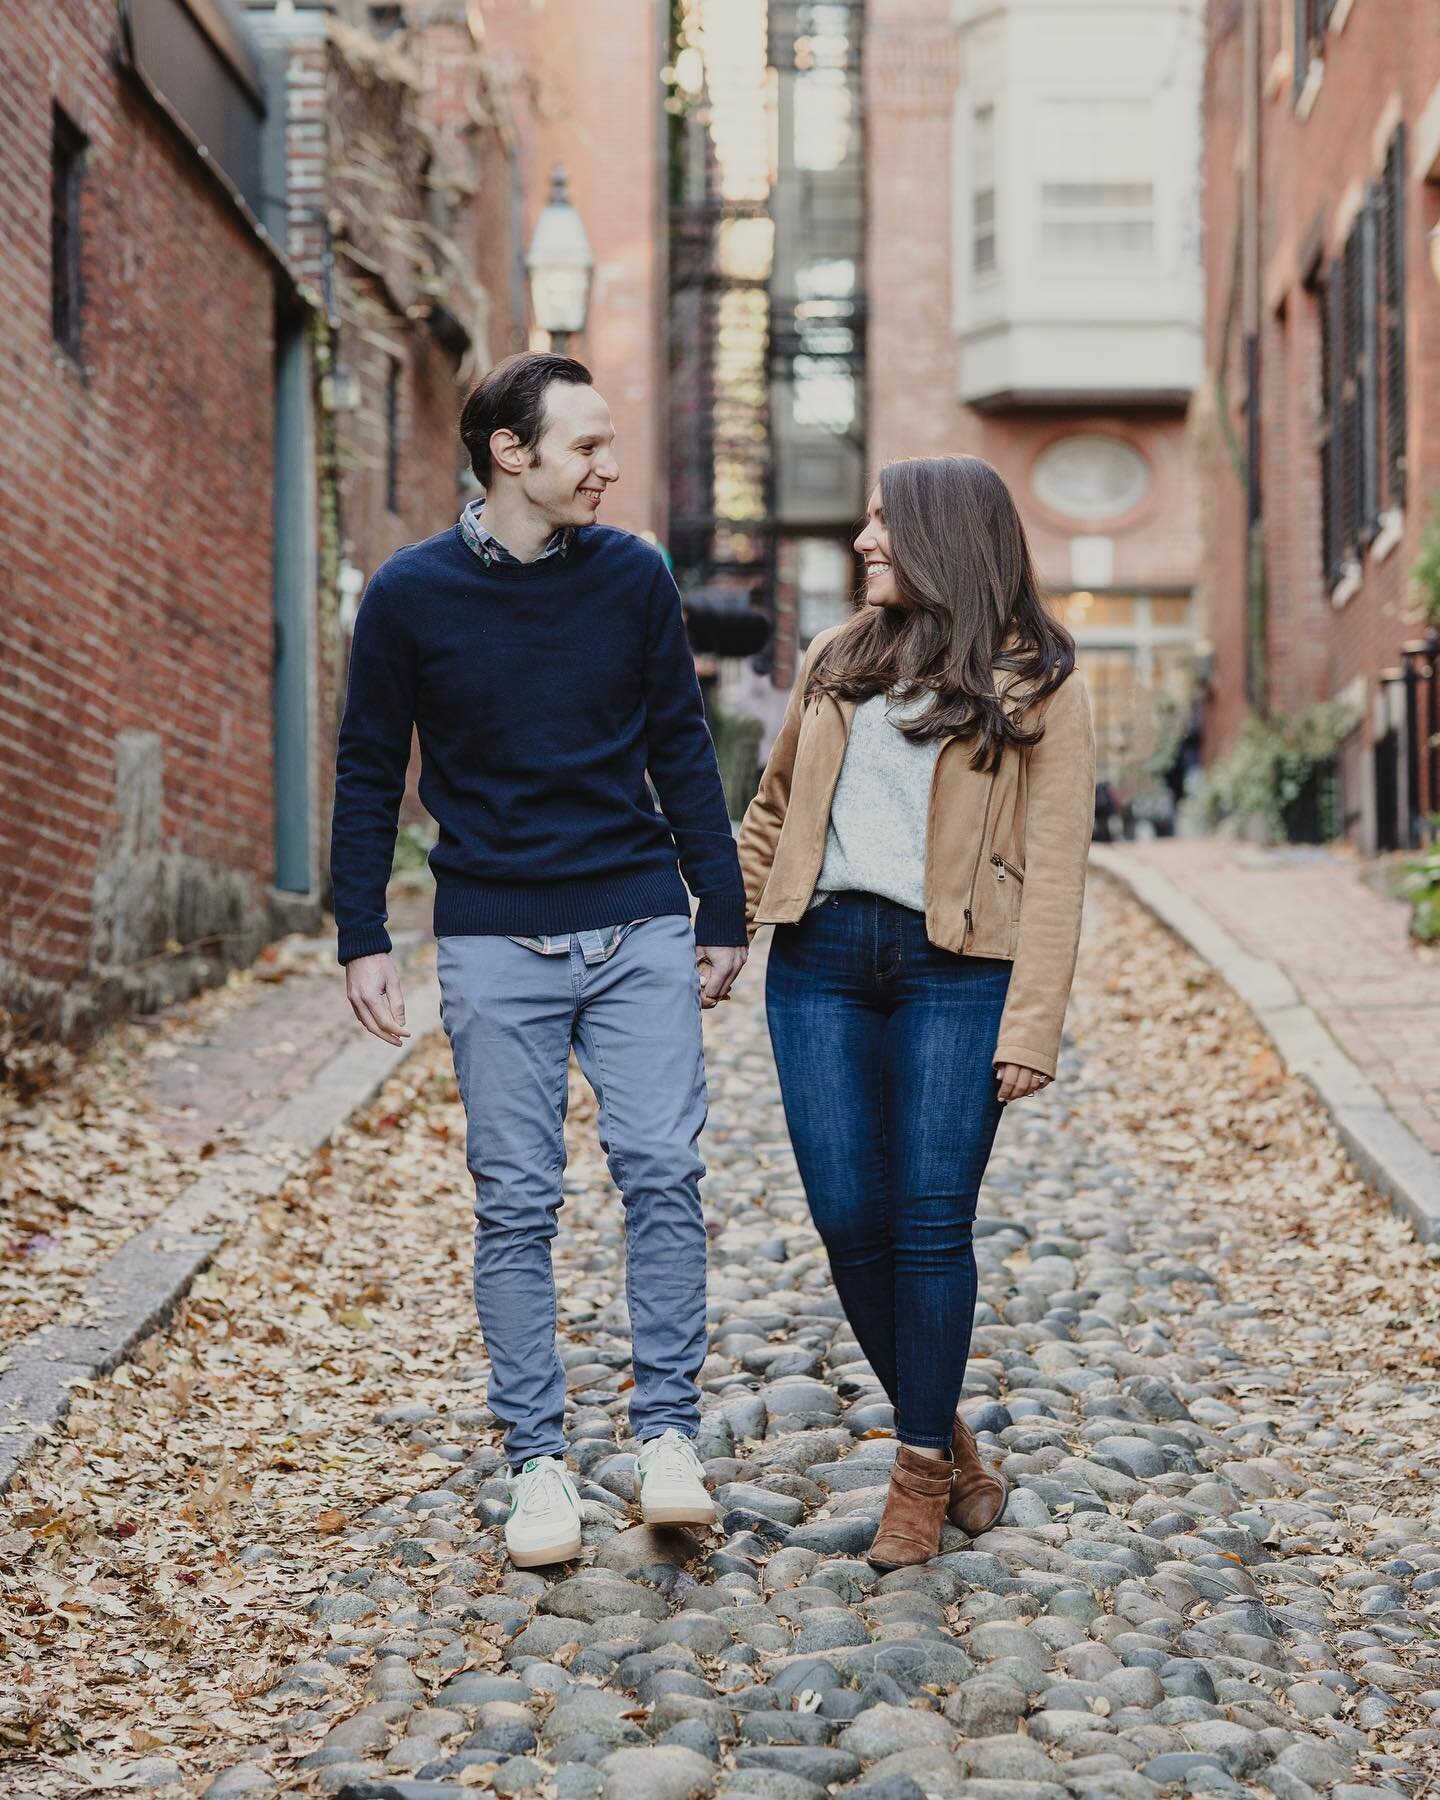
<point x="265" y="1555"/>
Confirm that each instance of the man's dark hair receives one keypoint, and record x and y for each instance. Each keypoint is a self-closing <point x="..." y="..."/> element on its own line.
<point x="512" y="398"/>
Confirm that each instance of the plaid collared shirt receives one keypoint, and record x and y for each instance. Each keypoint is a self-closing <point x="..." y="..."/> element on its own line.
<point x="479" y="538"/>
<point x="596" y="946"/>
<point x="599" y="945"/>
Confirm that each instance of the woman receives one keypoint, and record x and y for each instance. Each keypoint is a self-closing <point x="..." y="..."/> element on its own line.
<point x="919" y="842"/>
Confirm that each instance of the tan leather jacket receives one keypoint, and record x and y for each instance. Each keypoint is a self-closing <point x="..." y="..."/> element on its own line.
<point x="1005" y="853"/>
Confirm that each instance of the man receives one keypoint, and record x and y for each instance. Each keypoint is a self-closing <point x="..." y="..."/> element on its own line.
<point x="544" y="661"/>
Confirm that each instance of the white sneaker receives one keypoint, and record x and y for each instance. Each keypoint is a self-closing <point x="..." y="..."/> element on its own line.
<point x="672" y="1483"/>
<point x="544" y="1522"/>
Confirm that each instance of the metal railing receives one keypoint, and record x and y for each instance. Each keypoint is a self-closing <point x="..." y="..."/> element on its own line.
<point x="1407" y="754"/>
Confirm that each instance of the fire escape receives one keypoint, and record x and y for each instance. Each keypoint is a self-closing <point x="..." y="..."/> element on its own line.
<point x="721" y="535"/>
<point x="817" y="316"/>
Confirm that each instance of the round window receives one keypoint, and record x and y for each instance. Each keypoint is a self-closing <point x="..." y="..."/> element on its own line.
<point x="1090" y="477"/>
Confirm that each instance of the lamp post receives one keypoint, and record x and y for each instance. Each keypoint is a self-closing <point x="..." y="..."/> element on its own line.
<point x="560" y="263"/>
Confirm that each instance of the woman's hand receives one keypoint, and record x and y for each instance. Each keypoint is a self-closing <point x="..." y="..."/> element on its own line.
<point x="1016" y="1081"/>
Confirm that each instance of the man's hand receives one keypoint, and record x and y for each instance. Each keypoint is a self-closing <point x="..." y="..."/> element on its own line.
<point x="718" y="964"/>
<point x="372" y="986"/>
<point x="1016" y="1082"/>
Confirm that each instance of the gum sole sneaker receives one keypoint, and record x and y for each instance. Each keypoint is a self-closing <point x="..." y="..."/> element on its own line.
<point x="544" y="1522"/>
<point x="672" y="1483"/>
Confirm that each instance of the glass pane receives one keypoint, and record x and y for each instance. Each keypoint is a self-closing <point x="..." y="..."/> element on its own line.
<point x="1098" y="237"/>
<point x="1098" y="194"/>
<point x="824" y="578"/>
<point x="982" y="148"/>
<point x="1084" y="610"/>
<point x="1110" y="678"/>
<point x="825" y="278"/>
<point x="1171" y="610"/>
<point x="824" y="395"/>
<point x="823" y="109"/>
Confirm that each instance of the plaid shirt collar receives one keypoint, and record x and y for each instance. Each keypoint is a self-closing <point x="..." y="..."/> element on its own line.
<point x="488" y="547"/>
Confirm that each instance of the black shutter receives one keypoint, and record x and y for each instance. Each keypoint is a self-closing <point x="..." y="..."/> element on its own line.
<point x="1392" y="318"/>
<point x="1302" y="45"/>
<point x="66" y="165"/>
<point x="1332" y="379"/>
<point x="1367" y="368"/>
<point x="1347" y="484"/>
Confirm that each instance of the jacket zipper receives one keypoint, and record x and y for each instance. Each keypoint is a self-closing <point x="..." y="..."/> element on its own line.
<point x="979" y="853"/>
<point x="1002" y="869"/>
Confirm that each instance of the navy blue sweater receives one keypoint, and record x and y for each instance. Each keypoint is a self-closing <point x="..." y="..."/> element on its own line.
<point x="542" y="693"/>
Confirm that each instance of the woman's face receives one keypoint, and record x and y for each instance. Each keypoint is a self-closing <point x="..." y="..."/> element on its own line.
<point x="873" y="545"/>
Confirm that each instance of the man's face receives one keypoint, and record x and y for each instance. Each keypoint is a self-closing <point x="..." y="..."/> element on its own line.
<point x="574" y="461"/>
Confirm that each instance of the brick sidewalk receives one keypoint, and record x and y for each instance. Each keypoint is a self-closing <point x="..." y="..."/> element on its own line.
<point x="238" y="1065"/>
<point x="1345" y="948"/>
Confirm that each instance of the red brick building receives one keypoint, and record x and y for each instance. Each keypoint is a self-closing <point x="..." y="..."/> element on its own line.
<point x="397" y="164"/>
<point x="244" y="265"/>
<point x="139" y="344"/>
<point x="1034" y="297"/>
<point x="582" y="82"/>
<point x="1319" y="429"/>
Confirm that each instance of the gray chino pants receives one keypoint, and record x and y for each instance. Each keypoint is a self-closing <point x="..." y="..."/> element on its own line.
<point x="511" y="1017"/>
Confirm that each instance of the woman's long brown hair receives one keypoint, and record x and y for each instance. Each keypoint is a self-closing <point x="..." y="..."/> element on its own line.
<point x="972" y="614"/>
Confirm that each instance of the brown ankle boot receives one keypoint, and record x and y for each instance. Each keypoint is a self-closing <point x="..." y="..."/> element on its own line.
<point x="977" y="1492"/>
<point x="914" y="1511"/>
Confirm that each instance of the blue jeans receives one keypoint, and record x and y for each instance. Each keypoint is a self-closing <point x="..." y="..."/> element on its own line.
<point x="885" y="1049"/>
<point x="634" y="1021"/>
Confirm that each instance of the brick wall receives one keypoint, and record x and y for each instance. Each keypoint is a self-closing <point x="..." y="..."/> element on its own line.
<point x="911" y="66"/>
<point x="1220" y="590"/>
<point x="1316" y="159"/>
<point x="582" y="79"/>
<point x="394" y="163"/>
<point x="135" y="547"/>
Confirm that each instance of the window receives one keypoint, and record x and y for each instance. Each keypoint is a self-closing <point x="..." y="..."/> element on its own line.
<point x="1312" y="19"/>
<point x="1097" y="164"/>
<point x="1097" y="218"/>
<point x="1088" y="475"/>
<point x="392" y="436"/>
<point x="982" y="192"/>
<point x="825" y="97"/>
<point x="824" y="341"/>
<point x="824" y="582"/>
<point x="1392" y="318"/>
<point x="1363" y="418"/>
<point x="825" y="396"/>
<point x="1345" y="387"/>
<point x="1323" y="290"/>
<point x="67" y="162"/>
<point x="824" y="119"/>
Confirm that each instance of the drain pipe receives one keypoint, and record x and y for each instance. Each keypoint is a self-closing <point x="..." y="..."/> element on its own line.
<point x="1256" y="599"/>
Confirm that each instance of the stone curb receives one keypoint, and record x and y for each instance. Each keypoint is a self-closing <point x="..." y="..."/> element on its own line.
<point x="1385" y="1150"/>
<point x="136" y="1288"/>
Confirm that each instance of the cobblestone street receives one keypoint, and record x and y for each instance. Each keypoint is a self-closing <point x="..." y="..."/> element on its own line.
<point x="265" y="1556"/>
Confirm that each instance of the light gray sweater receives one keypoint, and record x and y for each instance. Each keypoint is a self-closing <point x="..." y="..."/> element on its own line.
<point x="875" y="843"/>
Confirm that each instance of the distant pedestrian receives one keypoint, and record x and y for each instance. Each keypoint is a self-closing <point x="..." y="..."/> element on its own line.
<point x="544" y="661"/>
<point x="1106" y="808"/>
<point x="919" y="843"/>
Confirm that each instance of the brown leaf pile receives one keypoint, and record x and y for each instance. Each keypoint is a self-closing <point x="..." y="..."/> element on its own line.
<point x="85" y="1162"/>
<point x="132" y="1619"/>
<point x="127" y="1620"/>
<point x="1349" y="1297"/>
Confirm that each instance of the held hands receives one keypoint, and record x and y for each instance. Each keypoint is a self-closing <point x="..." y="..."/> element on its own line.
<point x="1017" y="1082"/>
<point x="372" y="986"/>
<point x="718" y="965"/>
